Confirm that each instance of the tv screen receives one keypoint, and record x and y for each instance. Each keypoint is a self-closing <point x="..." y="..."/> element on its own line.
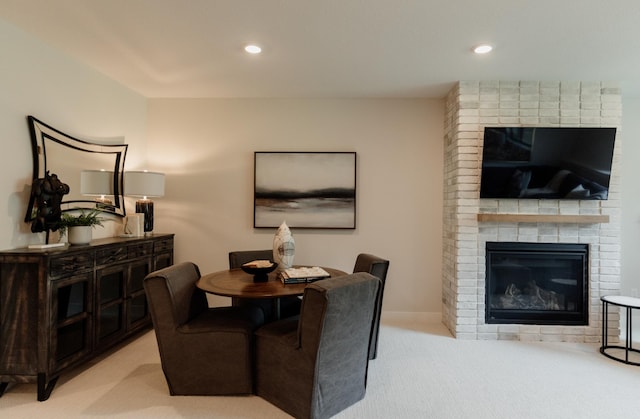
<point x="546" y="163"/>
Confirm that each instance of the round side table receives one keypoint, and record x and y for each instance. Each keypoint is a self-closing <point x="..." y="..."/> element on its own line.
<point x="629" y="303"/>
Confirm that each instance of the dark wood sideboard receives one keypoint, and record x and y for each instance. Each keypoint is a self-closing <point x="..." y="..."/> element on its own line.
<point x="61" y="307"/>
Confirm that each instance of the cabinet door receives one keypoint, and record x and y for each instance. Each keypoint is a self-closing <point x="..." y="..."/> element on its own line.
<point x="137" y="309"/>
<point x="110" y="303"/>
<point x="71" y="325"/>
<point x="163" y="251"/>
<point x="163" y="260"/>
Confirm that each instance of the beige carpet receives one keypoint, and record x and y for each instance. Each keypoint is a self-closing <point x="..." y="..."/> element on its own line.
<point x="421" y="372"/>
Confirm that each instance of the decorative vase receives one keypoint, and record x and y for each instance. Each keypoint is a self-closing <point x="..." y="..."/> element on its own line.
<point x="283" y="247"/>
<point x="80" y="234"/>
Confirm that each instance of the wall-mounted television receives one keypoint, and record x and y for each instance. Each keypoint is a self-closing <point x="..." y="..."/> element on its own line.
<point x="546" y="163"/>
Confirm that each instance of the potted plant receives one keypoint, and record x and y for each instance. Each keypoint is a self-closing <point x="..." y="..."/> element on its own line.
<point x="79" y="225"/>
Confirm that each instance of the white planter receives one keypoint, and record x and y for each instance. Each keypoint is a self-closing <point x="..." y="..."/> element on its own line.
<point x="80" y="234"/>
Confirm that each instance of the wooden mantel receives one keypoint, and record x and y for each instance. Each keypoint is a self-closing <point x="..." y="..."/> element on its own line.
<point x="543" y="218"/>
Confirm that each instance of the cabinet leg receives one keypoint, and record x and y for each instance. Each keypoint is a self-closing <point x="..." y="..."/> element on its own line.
<point x="44" y="388"/>
<point x="3" y="387"/>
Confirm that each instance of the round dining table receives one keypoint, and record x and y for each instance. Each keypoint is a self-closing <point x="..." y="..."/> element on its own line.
<point x="239" y="284"/>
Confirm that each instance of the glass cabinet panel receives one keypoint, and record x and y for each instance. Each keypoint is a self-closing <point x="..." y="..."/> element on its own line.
<point x="110" y="320"/>
<point x="138" y="308"/>
<point x="111" y="302"/>
<point x="138" y="273"/>
<point x="72" y="339"/>
<point x="72" y="302"/>
<point x="111" y="286"/>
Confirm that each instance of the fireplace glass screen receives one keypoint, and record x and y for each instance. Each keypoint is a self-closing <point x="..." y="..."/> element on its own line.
<point x="536" y="283"/>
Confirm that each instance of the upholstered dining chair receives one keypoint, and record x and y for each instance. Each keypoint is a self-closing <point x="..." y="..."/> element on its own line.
<point x="315" y="365"/>
<point x="203" y="351"/>
<point x="377" y="267"/>
<point x="289" y="306"/>
<point x="240" y="257"/>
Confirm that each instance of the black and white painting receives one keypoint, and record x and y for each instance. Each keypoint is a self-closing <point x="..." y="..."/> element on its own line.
<point x="305" y="190"/>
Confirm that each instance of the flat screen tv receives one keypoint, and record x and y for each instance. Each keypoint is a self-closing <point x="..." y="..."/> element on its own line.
<point x="546" y="163"/>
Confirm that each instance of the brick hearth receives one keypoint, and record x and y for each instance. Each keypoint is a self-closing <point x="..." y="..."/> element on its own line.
<point x="472" y="105"/>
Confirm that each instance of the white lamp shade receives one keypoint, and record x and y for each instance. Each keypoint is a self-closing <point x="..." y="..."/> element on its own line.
<point x="96" y="182"/>
<point x="145" y="184"/>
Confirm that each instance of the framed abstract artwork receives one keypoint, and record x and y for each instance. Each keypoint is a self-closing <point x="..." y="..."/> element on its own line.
<point x="305" y="189"/>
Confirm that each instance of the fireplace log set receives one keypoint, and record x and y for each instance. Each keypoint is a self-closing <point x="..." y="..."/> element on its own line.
<point x="532" y="297"/>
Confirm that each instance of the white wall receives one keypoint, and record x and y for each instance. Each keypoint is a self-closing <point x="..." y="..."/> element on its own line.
<point x="40" y="81"/>
<point x="630" y="176"/>
<point x="206" y="148"/>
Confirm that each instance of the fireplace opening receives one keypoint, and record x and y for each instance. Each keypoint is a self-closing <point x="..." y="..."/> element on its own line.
<point x="536" y="283"/>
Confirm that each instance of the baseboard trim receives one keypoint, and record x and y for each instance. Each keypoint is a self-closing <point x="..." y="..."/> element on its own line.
<point x="422" y="317"/>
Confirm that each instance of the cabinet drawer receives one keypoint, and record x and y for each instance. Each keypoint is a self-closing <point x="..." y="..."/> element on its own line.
<point x="138" y="250"/>
<point x="163" y="245"/>
<point x="111" y="255"/>
<point x="66" y="265"/>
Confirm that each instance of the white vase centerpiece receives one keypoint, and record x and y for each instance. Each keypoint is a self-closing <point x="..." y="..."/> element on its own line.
<point x="284" y="247"/>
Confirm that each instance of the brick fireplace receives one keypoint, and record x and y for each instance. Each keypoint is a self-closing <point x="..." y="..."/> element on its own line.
<point x="470" y="222"/>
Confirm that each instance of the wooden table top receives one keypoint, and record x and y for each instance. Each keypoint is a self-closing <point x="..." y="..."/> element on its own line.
<point x="237" y="283"/>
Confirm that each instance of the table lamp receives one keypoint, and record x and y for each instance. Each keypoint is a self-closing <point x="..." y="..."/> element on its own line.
<point x="98" y="183"/>
<point x="145" y="185"/>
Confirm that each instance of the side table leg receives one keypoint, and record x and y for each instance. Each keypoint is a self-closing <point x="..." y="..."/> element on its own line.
<point x="627" y="345"/>
<point x="629" y="321"/>
<point x="605" y="312"/>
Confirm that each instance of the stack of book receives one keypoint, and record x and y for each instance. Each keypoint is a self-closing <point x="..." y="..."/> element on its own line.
<point x="302" y="275"/>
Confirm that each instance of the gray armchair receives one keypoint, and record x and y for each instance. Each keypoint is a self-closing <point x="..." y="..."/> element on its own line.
<point x="377" y="267"/>
<point x="203" y="351"/>
<point x="315" y="365"/>
<point x="289" y="306"/>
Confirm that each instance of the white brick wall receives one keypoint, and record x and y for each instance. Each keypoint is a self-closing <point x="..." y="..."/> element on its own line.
<point x="472" y="105"/>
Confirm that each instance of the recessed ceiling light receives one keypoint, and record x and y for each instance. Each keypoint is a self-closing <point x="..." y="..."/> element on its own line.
<point x="483" y="49"/>
<point x="253" y="49"/>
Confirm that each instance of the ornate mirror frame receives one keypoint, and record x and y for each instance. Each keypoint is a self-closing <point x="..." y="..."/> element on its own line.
<point x="61" y="154"/>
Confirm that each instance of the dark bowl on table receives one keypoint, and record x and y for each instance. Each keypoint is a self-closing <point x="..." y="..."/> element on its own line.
<point x="260" y="274"/>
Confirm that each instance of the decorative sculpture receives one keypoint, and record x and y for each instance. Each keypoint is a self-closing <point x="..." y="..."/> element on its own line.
<point x="283" y="247"/>
<point x="47" y="193"/>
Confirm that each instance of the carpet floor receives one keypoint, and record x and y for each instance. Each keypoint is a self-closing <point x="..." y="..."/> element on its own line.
<point x="420" y="372"/>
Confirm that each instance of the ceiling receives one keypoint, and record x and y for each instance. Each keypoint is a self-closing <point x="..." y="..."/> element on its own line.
<point x="337" y="48"/>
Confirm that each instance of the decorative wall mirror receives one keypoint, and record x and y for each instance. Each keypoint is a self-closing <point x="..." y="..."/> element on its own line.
<point x="71" y="158"/>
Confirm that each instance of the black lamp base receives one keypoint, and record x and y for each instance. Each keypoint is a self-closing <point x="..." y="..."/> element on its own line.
<point x="145" y="206"/>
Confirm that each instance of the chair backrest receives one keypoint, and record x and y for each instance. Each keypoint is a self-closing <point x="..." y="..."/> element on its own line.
<point x="173" y="297"/>
<point x="334" y="330"/>
<point x="240" y="257"/>
<point x="377" y="267"/>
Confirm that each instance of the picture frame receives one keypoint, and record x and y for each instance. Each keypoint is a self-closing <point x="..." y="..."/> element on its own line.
<point x="314" y="190"/>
